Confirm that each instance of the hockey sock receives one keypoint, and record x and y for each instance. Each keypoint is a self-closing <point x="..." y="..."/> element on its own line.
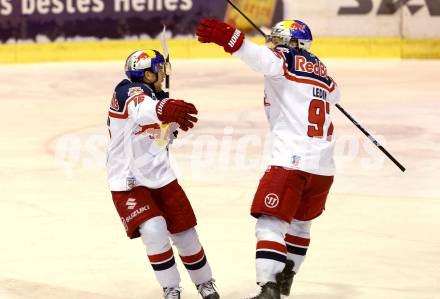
<point x="155" y="236"/>
<point x="297" y="242"/>
<point x="193" y="256"/>
<point x="271" y="250"/>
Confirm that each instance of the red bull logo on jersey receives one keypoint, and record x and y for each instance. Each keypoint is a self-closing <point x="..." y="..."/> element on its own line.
<point x="302" y="65"/>
<point x="162" y="134"/>
<point x="153" y="130"/>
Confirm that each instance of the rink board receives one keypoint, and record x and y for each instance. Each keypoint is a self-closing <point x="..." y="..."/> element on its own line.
<point x="190" y="48"/>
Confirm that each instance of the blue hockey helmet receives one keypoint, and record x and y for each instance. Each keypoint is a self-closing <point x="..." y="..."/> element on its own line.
<point x="286" y="31"/>
<point x="143" y="60"/>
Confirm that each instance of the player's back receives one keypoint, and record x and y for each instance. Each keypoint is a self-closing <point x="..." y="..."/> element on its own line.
<point x="298" y="108"/>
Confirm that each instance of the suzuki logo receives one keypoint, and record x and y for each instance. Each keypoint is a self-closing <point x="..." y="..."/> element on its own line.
<point x="131" y="203"/>
<point x="390" y="7"/>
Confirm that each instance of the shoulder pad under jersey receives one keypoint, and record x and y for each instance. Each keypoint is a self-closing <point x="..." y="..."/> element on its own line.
<point x="125" y="91"/>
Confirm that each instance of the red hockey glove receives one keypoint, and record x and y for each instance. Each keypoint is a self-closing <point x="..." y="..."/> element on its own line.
<point x="213" y="31"/>
<point x="178" y="111"/>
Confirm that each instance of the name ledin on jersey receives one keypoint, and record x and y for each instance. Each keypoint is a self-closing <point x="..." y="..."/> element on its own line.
<point x="302" y="65"/>
<point x="319" y="93"/>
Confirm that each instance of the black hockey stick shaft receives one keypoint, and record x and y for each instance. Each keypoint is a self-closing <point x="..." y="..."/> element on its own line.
<point x="372" y="139"/>
<point x="247" y="19"/>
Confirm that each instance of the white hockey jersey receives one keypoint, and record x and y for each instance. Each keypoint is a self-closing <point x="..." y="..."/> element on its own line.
<point x="137" y="153"/>
<point x="298" y="94"/>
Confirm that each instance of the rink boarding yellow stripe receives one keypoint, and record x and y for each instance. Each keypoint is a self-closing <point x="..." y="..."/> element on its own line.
<point x="190" y="48"/>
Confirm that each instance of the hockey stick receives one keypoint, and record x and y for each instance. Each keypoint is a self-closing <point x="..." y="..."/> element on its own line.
<point x="167" y="56"/>
<point x="369" y="136"/>
<point x="168" y="65"/>
<point x="247" y="19"/>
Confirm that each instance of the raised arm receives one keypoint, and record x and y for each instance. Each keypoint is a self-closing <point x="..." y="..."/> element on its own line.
<point x="259" y="58"/>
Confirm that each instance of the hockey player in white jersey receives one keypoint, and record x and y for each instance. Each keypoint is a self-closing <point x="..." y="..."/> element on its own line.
<point x="294" y="189"/>
<point x="150" y="202"/>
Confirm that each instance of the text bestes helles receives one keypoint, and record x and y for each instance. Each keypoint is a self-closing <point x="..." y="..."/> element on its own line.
<point x="55" y="7"/>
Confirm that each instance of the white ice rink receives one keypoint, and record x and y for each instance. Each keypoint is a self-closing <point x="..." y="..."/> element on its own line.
<point x="60" y="236"/>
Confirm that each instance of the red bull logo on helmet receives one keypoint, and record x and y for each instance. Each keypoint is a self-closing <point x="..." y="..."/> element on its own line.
<point x="297" y="26"/>
<point x="143" y="55"/>
<point x="146" y="55"/>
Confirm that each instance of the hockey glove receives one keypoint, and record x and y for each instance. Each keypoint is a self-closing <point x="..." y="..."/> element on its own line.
<point x="177" y="111"/>
<point x="213" y="31"/>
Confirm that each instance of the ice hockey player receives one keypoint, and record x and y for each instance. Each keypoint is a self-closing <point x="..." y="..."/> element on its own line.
<point x="149" y="200"/>
<point x="294" y="188"/>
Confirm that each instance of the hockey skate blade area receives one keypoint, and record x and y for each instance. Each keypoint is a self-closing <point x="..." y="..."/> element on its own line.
<point x="61" y="236"/>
